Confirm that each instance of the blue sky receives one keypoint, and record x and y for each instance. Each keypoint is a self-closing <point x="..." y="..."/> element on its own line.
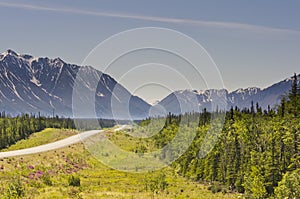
<point x="254" y="43"/>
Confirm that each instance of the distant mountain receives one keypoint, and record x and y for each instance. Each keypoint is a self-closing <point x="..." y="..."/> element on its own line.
<point x="31" y="85"/>
<point x="180" y="101"/>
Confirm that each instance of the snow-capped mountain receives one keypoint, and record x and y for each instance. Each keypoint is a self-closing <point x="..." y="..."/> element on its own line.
<point x="32" y="85"/>
<point x="212" y="99"/>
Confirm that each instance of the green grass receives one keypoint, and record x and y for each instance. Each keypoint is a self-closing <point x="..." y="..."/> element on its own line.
<point x="96" y="179"/>
<point x="129" y="143"/>
<point x="46" y="136"/>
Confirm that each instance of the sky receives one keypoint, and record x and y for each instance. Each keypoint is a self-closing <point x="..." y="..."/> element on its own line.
<point x="252" y="43"/>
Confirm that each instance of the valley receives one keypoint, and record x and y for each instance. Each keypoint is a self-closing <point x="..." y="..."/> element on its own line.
<point x="47" y="175"/>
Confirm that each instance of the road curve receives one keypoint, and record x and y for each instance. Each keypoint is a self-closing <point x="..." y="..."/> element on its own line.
<point x="54" y="145"/>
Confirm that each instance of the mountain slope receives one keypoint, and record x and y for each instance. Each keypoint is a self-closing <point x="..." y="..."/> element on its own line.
<point x="32" y="85"/>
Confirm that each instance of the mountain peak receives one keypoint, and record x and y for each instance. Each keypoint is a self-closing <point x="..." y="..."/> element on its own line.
<point x="58" y="62"/>
<point x="11" y="52"/>
<point x="249" y="90"/>
<point x="29" y="58"/>
<point x="58" y="59"/>
<point x="8" y="52"/>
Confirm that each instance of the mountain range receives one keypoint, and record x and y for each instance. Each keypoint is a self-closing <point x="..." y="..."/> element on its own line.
<point x="30" y="85"/>
<point x="212" y="99"/>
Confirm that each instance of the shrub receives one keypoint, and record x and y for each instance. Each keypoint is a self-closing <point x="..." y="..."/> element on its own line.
<point x="215" y="188"/>
<point x="15" y="189"/>
<point x="47" y="180"/>
<point x="156" y="183"/>
<point x="74" y="181"/>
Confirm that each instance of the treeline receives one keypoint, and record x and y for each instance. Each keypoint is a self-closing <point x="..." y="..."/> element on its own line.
<point x="13" y="129"/>
<point x="257" y="153"/>
<point x="94" y="124"/>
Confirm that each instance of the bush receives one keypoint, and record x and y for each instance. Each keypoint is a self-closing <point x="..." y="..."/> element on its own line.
<point x="47" y="180"/>
<point x="16" y="189"/>
<point x="156" y="183"/>
<point x="74" y="181"/>
<point x="215" y="188"/>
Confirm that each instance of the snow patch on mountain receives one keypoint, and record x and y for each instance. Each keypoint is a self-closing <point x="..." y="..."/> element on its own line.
<point x="35" y="81"/>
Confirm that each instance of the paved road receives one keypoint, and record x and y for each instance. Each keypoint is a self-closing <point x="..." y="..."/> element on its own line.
<point x="55" y="145"/>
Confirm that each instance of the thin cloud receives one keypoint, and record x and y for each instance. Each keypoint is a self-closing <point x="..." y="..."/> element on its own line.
<point x="200" y="23"/>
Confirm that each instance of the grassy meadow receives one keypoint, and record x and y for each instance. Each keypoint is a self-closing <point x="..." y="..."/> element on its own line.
<point x="44" y="137"/>
<point x="72" y="172"/>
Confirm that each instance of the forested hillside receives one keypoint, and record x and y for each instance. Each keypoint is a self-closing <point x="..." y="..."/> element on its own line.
<point x="257" y="152"/>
